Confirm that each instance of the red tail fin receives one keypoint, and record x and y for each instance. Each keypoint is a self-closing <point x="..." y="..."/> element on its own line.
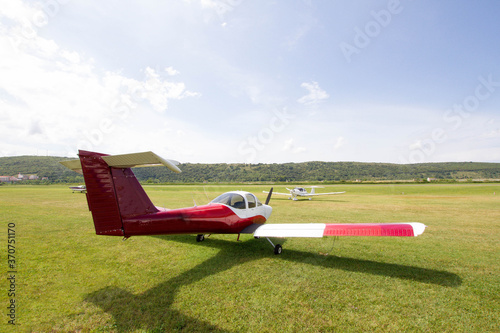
<point x="113" y="193"/>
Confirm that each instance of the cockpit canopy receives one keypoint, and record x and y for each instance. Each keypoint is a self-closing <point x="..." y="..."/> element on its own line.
<point x="238" y="200"/>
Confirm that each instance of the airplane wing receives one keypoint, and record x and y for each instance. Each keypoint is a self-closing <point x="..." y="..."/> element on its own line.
<point x="315" y="194"/>
<point x="277" y="193"/>
<point x="342" y="229"/>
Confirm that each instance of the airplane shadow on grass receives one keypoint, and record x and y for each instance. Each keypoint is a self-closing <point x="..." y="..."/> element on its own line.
<point x="152" y="310"/>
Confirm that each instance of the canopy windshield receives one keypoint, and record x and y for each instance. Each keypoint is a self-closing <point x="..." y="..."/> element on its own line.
<point x="231" y="199"/>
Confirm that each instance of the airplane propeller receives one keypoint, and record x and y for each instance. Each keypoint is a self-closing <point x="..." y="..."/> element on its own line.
<point x="269" y="196"/>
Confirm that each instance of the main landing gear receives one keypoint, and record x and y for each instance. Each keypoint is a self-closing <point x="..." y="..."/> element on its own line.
<point x="277" y="247"/>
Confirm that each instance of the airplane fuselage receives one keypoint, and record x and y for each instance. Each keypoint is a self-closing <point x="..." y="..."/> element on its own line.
<point x="229" y="213"/>
<point x="298" y="192"/>
<point x="207" y="219"/>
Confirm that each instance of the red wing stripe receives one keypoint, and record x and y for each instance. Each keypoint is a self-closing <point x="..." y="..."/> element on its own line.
<point x="369" y="229"/>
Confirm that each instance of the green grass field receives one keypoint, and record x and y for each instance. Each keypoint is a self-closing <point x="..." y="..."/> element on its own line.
<point x="68" y="279"/>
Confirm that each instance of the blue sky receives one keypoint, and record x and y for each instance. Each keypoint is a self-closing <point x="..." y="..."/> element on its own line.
<point x="252" y="81"/>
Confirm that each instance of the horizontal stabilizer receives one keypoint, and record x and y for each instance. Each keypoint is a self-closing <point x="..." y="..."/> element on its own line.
<point x="349" y="229"/>
<point x="74" y="165"/>
<point x="140" y="160"/>
<point x="144" y="159"/>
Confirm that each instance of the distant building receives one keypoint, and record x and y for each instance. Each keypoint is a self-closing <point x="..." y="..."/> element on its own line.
<point x="20" y="177"/>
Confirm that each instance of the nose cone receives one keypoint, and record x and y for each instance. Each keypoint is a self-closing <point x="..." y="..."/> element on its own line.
<point x="267" y="211"/>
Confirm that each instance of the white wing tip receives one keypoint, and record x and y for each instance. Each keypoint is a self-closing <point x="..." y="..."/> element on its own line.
<point x="418" y="228"/>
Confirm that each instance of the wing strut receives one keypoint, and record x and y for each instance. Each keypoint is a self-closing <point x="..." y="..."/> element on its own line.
<point x="277" y="247"/>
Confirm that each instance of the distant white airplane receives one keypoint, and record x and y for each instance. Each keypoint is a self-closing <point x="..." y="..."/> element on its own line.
<point x="302" y="192"/>
<point x="81" y="189"/>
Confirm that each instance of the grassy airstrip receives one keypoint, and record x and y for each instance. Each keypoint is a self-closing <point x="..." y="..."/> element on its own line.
<point x="448" y="279"/>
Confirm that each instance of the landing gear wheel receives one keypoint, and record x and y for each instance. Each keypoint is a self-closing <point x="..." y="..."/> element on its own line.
<point x="200" y="238"/>
<point x="277" y="249"/>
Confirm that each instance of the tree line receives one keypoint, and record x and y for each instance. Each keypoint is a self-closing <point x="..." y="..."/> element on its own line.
<point x="48" y="166"/>
<point x="319" y="172"/>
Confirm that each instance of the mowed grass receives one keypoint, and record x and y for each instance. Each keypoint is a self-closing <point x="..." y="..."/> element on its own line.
<point x="71" y="280"/>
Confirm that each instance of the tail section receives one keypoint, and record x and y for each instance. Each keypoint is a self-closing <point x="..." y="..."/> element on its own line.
<point x="113" y="191"/>
<point x="101" y="194"/>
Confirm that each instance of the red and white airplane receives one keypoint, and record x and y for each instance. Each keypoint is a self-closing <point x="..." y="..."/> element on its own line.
<point x="121" y="207"/>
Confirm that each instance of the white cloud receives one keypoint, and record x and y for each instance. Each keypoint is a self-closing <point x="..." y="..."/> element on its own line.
<point x="493" y="134"/>
<point x="53" y="97"/>
<point x="316" y="94"/>
<point x="19" y="12"/>
<point x="292" y="40"/>
<point x="290" y="146"/>
<point x="415" y="145"/>
<point x="158" y="91"/>
<point x="216" y="9"/>
<point x="171" y="71"/>
<point x="339" y="143"/>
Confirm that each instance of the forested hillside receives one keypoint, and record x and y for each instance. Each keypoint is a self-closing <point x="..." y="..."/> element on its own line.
<point x="292" y="172"/>
<point x="319" y="172"/>
<point x="43" y="166"/>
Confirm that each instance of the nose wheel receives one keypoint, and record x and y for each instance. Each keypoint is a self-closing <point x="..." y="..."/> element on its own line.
<point x="200" y="238"/>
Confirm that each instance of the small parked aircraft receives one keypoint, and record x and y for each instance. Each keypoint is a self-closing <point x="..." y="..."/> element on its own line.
<point x="80" y="188"/>
<point x="302" y="192"/>
<point x="120" y="207"/>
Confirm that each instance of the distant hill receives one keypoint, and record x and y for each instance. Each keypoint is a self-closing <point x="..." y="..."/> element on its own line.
<point x="293" y="172"/>
<point x="43" y="166"/>
<point x="319" y="172"/>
